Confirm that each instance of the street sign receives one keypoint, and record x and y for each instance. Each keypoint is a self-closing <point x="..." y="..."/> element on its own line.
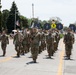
<point x="72" y="27"/>
<point x="59" y="26"/>
<point x="53" y="25"/>
<point x="46" y="26"/>
<point x="37" y="25"/>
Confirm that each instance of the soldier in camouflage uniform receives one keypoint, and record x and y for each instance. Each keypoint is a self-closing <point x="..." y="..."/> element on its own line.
<point x="26" y="41"/>
<point x="57" y="38"/>
<point x="68" y="41"/>
<point x="34" y="40"/>
<point x="54" y="41"/>
<point x="40" y="33"/>
<point x="43" y="43"/>
<point x="18" y="38"/>
<point x="4" y="41"/>
<point x="50" y="44"/>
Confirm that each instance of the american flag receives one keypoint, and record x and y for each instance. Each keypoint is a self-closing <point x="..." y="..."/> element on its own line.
<point x="17" y="23"/>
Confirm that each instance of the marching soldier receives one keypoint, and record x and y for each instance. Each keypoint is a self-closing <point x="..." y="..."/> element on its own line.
<point x="34" y="44"/>
<point x="57" y="38"/>
<point x="68" y="41"/>
<point x="4" y="41"/>
<point x="40" y="33"/>
<point x="50" y="44"/>
<point x="54" y="41"/>
<point x="26" y="41"/>
<point x="43" y="43"/>
<point x="18" y="38"/>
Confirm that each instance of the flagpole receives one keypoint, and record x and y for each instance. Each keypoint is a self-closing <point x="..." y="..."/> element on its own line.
<point x="32" y="11"/>
<point x="0" y="17"/>
<point x="15" y="20"/>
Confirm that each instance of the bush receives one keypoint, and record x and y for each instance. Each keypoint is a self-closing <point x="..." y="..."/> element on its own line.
<point x="61" y="35"/>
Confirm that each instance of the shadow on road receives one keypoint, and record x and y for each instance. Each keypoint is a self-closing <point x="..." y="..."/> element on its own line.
<point x="1" y="56"/>
<point x="69" y="59"/>
<point x="15" y="57"/>
<point x="48" y="58"/>
<point x="32" y="63"/>
<point x="30" y="57"/>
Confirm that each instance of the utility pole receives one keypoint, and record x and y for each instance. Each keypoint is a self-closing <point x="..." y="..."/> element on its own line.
<point x="0" y="17"/>
<point x="16" y="12"/>
<point x="15" y="21"/>
<point x="32" y="11"/>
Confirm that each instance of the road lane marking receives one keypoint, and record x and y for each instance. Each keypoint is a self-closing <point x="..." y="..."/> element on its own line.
<point x="60" y="68"/>
<point x="6" y="59"/>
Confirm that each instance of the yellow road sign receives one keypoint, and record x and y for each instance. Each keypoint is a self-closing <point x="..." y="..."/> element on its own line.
<point x="53" y="25"/>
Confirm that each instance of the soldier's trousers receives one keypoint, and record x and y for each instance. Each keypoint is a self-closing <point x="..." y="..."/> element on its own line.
<point x="28" y="47"/>
<point x="34" y="51"/>
<point x="40" y="50"/>
<point x="55" y="46"/>
<point x="25" y="48"/>
<point x="68" y="49"/>
<point x="18" y="48"/>
<point x="43" y="46"/>
<point x="49" y="50"/>
<point x="3" y="46"/>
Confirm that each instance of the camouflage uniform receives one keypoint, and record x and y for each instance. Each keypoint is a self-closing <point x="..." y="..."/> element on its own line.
<point x="68" y="40"/>
<point x="43" y="43"/>
<point x="18" y="43"/>
<point x="50" y="44"/>
<point x="34" y="39"/>
<point x="57" y="38"/>
<point x="4" y="41"/>
<point x="40" y="50"/>
<point x="26" y="43"/>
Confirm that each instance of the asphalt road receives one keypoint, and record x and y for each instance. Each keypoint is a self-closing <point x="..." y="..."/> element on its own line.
<point x="10" y="65"/>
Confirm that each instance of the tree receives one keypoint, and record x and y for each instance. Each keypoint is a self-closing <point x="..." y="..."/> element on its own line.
<point x="56" y="19"/>
<point x="43" y="22"/>
<point x="29" y="21"/>
<point x="24" y="22"/>
<point x="5" y="14"/>
<point x="13" y="17"/>
<point x="65" y="28"/>
<point x="0" y="21"/>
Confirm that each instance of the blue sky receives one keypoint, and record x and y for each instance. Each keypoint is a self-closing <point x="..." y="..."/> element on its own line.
<point x="45" y="9"/>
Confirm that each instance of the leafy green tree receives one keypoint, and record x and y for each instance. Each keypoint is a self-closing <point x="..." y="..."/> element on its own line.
<point x="65" y="28"/>
<point x="29" y="21"/>
<point x="0" y="20"/>
<point x="56" y="19"/>
<point x="12" y="18"/>
<point x="5" y="14"/>
<point x="24" y="22"/>
<point x="43" y="22"/>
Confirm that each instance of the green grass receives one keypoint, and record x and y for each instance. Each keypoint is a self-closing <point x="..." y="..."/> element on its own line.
<point x="61" y="35"/>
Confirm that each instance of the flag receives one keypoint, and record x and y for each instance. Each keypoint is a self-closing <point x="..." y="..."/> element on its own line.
<point x="46" y="26"/>
<point x="17" y="23"/>
<point x="32" y="25"/>
<point x="59" y="26"/>
<point x="72" y="27"/>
